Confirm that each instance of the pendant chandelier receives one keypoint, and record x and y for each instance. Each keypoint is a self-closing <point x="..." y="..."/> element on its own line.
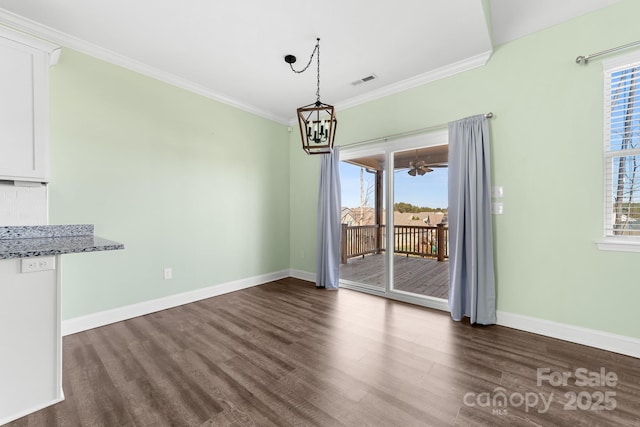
<point x="317" y="121"/>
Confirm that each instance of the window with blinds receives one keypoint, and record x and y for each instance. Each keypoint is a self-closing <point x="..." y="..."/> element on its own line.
<point x="622" y="147"/>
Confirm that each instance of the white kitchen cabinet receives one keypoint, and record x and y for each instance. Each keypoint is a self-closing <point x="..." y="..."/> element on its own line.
<point x="24" y="106"/>
<point x="30" y="323"/>
<point x="31" y="356"/>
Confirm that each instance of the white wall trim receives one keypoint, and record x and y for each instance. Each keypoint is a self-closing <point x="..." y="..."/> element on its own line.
<point x="28" y="26"/>
<point x="95" y="320"/>
<point x="618" y="245"/>
<point x="599" y="339"/>
<point x="303" y="275"/>
<point x="31" y="410"/>
<point x="27" y="40"/>
<point x="419" y="80"/>
<point x="593" y="338"/>
<point x="36" y="29"/>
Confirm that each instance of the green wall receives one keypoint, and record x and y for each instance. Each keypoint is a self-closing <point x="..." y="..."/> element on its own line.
<point x="183" y="181"/>
<point x="219" y="194"/>
<point x="546" y="153"/>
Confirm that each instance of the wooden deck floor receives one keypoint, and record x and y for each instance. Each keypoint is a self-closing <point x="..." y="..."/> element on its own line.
<point x="421" y="276"/>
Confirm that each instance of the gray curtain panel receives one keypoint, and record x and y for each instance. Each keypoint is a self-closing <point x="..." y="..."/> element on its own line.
<point x="329" y="200"/>
<point x="472" y="288"/>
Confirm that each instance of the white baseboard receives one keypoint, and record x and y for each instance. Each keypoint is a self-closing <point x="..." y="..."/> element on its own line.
<point x="95" y="320"/>
<point x="603" y="340"/>
<point x="303" y="275"/>
<point x="593" y="338"/>
<point x="31" y="410"/>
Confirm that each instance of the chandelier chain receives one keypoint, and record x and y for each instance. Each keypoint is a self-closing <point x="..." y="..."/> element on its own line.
<point x="318" y="90"/>
<point x="310" y="59"/>
<point x="315" y="50"/>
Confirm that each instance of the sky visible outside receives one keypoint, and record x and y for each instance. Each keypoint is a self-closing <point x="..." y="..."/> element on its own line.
<point x="623" y="167"/>
<point x="625" y="116"/>
<point x="429" y="190"/>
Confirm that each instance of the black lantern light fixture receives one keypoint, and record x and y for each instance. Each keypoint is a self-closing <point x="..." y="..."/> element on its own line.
<point x="317" y="121"/>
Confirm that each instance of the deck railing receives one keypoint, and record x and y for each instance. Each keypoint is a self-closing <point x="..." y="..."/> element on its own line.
<point x="361" y="240"/>
<point x="424" y="241"/>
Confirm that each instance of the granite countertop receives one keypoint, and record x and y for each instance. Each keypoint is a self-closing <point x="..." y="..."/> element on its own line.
<point x="47" y="240"/>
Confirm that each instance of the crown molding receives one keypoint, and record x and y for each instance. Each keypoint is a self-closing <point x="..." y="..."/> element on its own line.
<point x="419" y="80"/>
<point x="51" y="35"/>
<point x="19" y="23"/>
<point x="28" y="40"/>
<point x="412" y="82"/>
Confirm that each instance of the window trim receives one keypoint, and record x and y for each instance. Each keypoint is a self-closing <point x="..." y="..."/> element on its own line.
<point x="610" y="242"/>
<point x="615" y="244"/>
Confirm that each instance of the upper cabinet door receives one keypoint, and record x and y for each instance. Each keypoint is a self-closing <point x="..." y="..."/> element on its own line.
<point x="24" y="107"/>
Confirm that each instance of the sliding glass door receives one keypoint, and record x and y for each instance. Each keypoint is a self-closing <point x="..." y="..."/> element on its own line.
<point x="394" y="219"/>
<point x="420" y="258"/>
<point x="363" y="241"/>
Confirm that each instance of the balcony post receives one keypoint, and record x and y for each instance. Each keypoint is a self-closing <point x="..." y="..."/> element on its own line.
<point x="343" y="244"/>
<point x="378" y="211"/>
<point x="440" y="234"/>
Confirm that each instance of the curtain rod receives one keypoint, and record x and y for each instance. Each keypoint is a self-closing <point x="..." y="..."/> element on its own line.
<point x="584" y="59"/>
<point x="488" y="115"/>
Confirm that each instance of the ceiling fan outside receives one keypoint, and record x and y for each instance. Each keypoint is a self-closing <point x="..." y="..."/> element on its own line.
<point x="420" y="167"/>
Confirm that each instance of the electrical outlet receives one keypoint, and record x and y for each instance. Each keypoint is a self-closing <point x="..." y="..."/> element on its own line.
<point x="31" y="265"/>
<point x="168" y="273"/>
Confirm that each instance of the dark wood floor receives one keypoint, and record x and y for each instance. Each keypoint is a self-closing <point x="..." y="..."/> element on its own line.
<point x="422" y="276"/>
<point x="286" y="353"/>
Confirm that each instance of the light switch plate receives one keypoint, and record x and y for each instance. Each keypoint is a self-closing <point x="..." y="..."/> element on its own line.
<point x="497" y="192"/>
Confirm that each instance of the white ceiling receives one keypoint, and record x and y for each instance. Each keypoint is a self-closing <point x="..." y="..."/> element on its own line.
<point x="233" y="51"/>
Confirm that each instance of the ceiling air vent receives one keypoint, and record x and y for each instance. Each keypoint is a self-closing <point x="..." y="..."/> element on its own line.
<point x="364" y="80"/>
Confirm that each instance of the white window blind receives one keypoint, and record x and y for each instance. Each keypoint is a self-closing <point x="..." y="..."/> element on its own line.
<point x="622" y="147"/>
